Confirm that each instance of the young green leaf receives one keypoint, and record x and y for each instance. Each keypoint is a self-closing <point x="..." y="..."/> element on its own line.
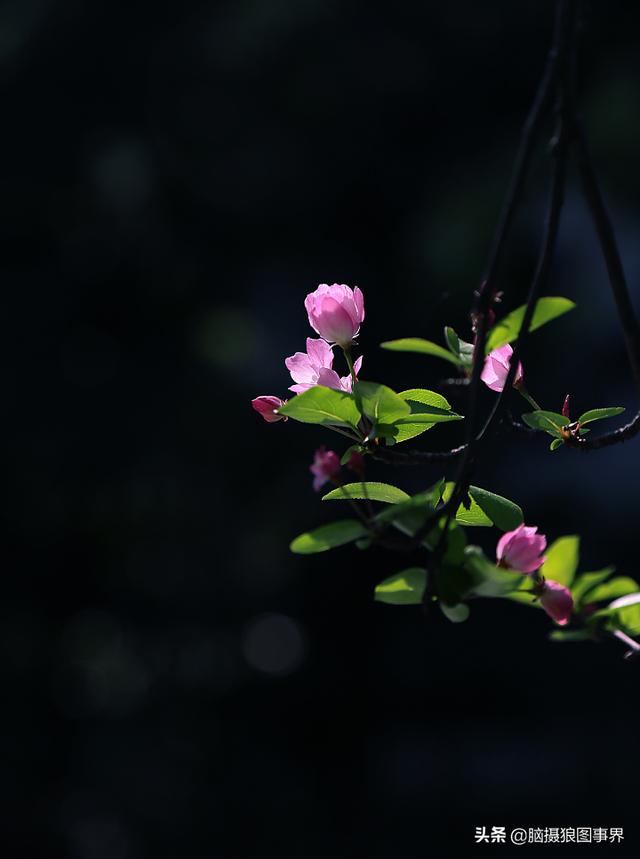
<point x="426" y="398"/>
<point x="505" y="514"/>
<point x="599" y="414"/>
<point x="380" y="403"/>
<point x="420" y="346"/>
<point x="619" y="586"/>
<point x="320" y="405"/>
<point x="585" y="582"/>
<point x="328" y="537"/>
<point x="556" y="443"/>
<point x="404" y="588"/>
<point x="490" y="580"/>
<point x="346" y="456"/>
<point x="562" y="560"/>
<point x="409" y="515"/>
<point x="567" y="635"/>
<point x="457" y="613"/>
<point x="486" y="509"/>
<point x="507" y="329"/>
<point x="369" y="489"/>
<point x="452" y="341"/>
<point x="550" y="422"/>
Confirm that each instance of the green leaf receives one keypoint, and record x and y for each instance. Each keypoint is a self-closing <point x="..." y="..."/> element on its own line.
<point x="490" y="580"/>
<point x="486" y="509"/>
<point x="320" y="405"/>
<point x="417" y="423"/>
<point x="562" y="560"/>
<point x="346" y="456"/>
<point x="556" y="443"/>
<point x="420" y="346"/>
<point x="453" y="341"/>
<point x="505" y="514"/>
<point x="456" y="542"/>
<point x="369" y="489"/>
<point x="328" y="537"/>
<point x="566" y="635"/>
<point x="586" y="582"/>
<point x="619" y="586"/>
<point x="427" y="398"/>
<point x="410" y="515"/>
<point x="380" y="403"/>
<point x="462" y="350"/>
<point x="599" y="414"/>
<point x="625" y="614"/>
<point x="550" y="422"/>
<point x="455" y="613"/>
<point x="402" y="431"/>
<point x="507" y="330"/>
<point x="404" y="588"/>
<point x="474" y="516"/>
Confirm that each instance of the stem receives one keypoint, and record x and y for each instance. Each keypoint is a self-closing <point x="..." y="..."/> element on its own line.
<point x="347" y="354"/>
<point x="523" y="392"/>
<point x="632" y="644"/>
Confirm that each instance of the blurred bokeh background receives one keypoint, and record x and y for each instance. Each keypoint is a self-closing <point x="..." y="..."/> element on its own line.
<point x="175" y="179"/>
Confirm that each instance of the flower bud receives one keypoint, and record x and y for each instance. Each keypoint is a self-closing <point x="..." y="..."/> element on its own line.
<point x="356" y="463"/>
<point x="336" y="312"/>
<point x="557" y="601"/>
<point x="267" y="406"/>
<point x="496" y="367"/>
<point x="521" y="549"/>
<point x="565" y="407"/>
<point x="325" y="467"/>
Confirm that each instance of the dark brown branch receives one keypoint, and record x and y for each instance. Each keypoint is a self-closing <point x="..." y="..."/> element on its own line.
<point x="610" y="252"/>
<point x="415" y="457"/>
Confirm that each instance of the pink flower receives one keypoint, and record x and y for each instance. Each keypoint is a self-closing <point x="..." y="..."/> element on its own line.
<point x="266" y="406"/>
<point x="314" y="367"/>
<point x="356" y="463"/>
<point x="325" y="467"/>
<point x="336" y="312"/>
<point x="521" y="549"/>
<point x="557" y="601"/>
<point x="496" y="367"/>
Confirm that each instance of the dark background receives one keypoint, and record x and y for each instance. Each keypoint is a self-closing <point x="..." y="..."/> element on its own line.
<point x="175" y="179"/>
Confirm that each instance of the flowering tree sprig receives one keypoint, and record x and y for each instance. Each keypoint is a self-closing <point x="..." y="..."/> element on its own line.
<point x="376" y="420"/>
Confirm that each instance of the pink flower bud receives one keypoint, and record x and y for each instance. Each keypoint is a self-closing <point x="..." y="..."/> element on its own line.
<point x="557" y="601"/>
<point x="314" y="367"/>
<point x="325" y="467"/>
<point x="335" y="312"/>
<point x="565" y="407"/>
<point x="521" y="549"/>
<point x="266" y="406"/>
<point x="496" y="367"/>
<point x="356" y="463"/>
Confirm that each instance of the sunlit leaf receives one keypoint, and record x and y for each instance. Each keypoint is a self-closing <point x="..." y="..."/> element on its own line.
<point x="420" y="346"/>
<point x="508" y="328"/>
<point x="600" y="414"/>
<point x="328" y="537"/>
<point x="380" y="403"/>
<point x="550" y="422"/>
<point x="562" y="558"/>
<point x="404" y="588"/>
<point x="368" y="490"/>
<point x="320" y="405"/>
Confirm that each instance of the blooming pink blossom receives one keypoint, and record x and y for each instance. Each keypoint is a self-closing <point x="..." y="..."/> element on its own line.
<point x="521" y="549"/>
<point x="336" y="312"/>
<point x="325" y="467"/>
<point x="557" y="601"/>
<point x="266" y="406"/>
<point x="496" y="367"/>
<point x="315" y="367"/>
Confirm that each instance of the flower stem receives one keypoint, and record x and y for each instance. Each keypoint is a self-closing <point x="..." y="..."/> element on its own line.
<point x="347" y="355"/>
<point x="523" y="391"/>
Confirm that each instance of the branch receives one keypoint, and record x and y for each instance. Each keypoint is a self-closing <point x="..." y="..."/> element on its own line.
<point x="415" y="457"/>
<point x="609" y="247"/>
